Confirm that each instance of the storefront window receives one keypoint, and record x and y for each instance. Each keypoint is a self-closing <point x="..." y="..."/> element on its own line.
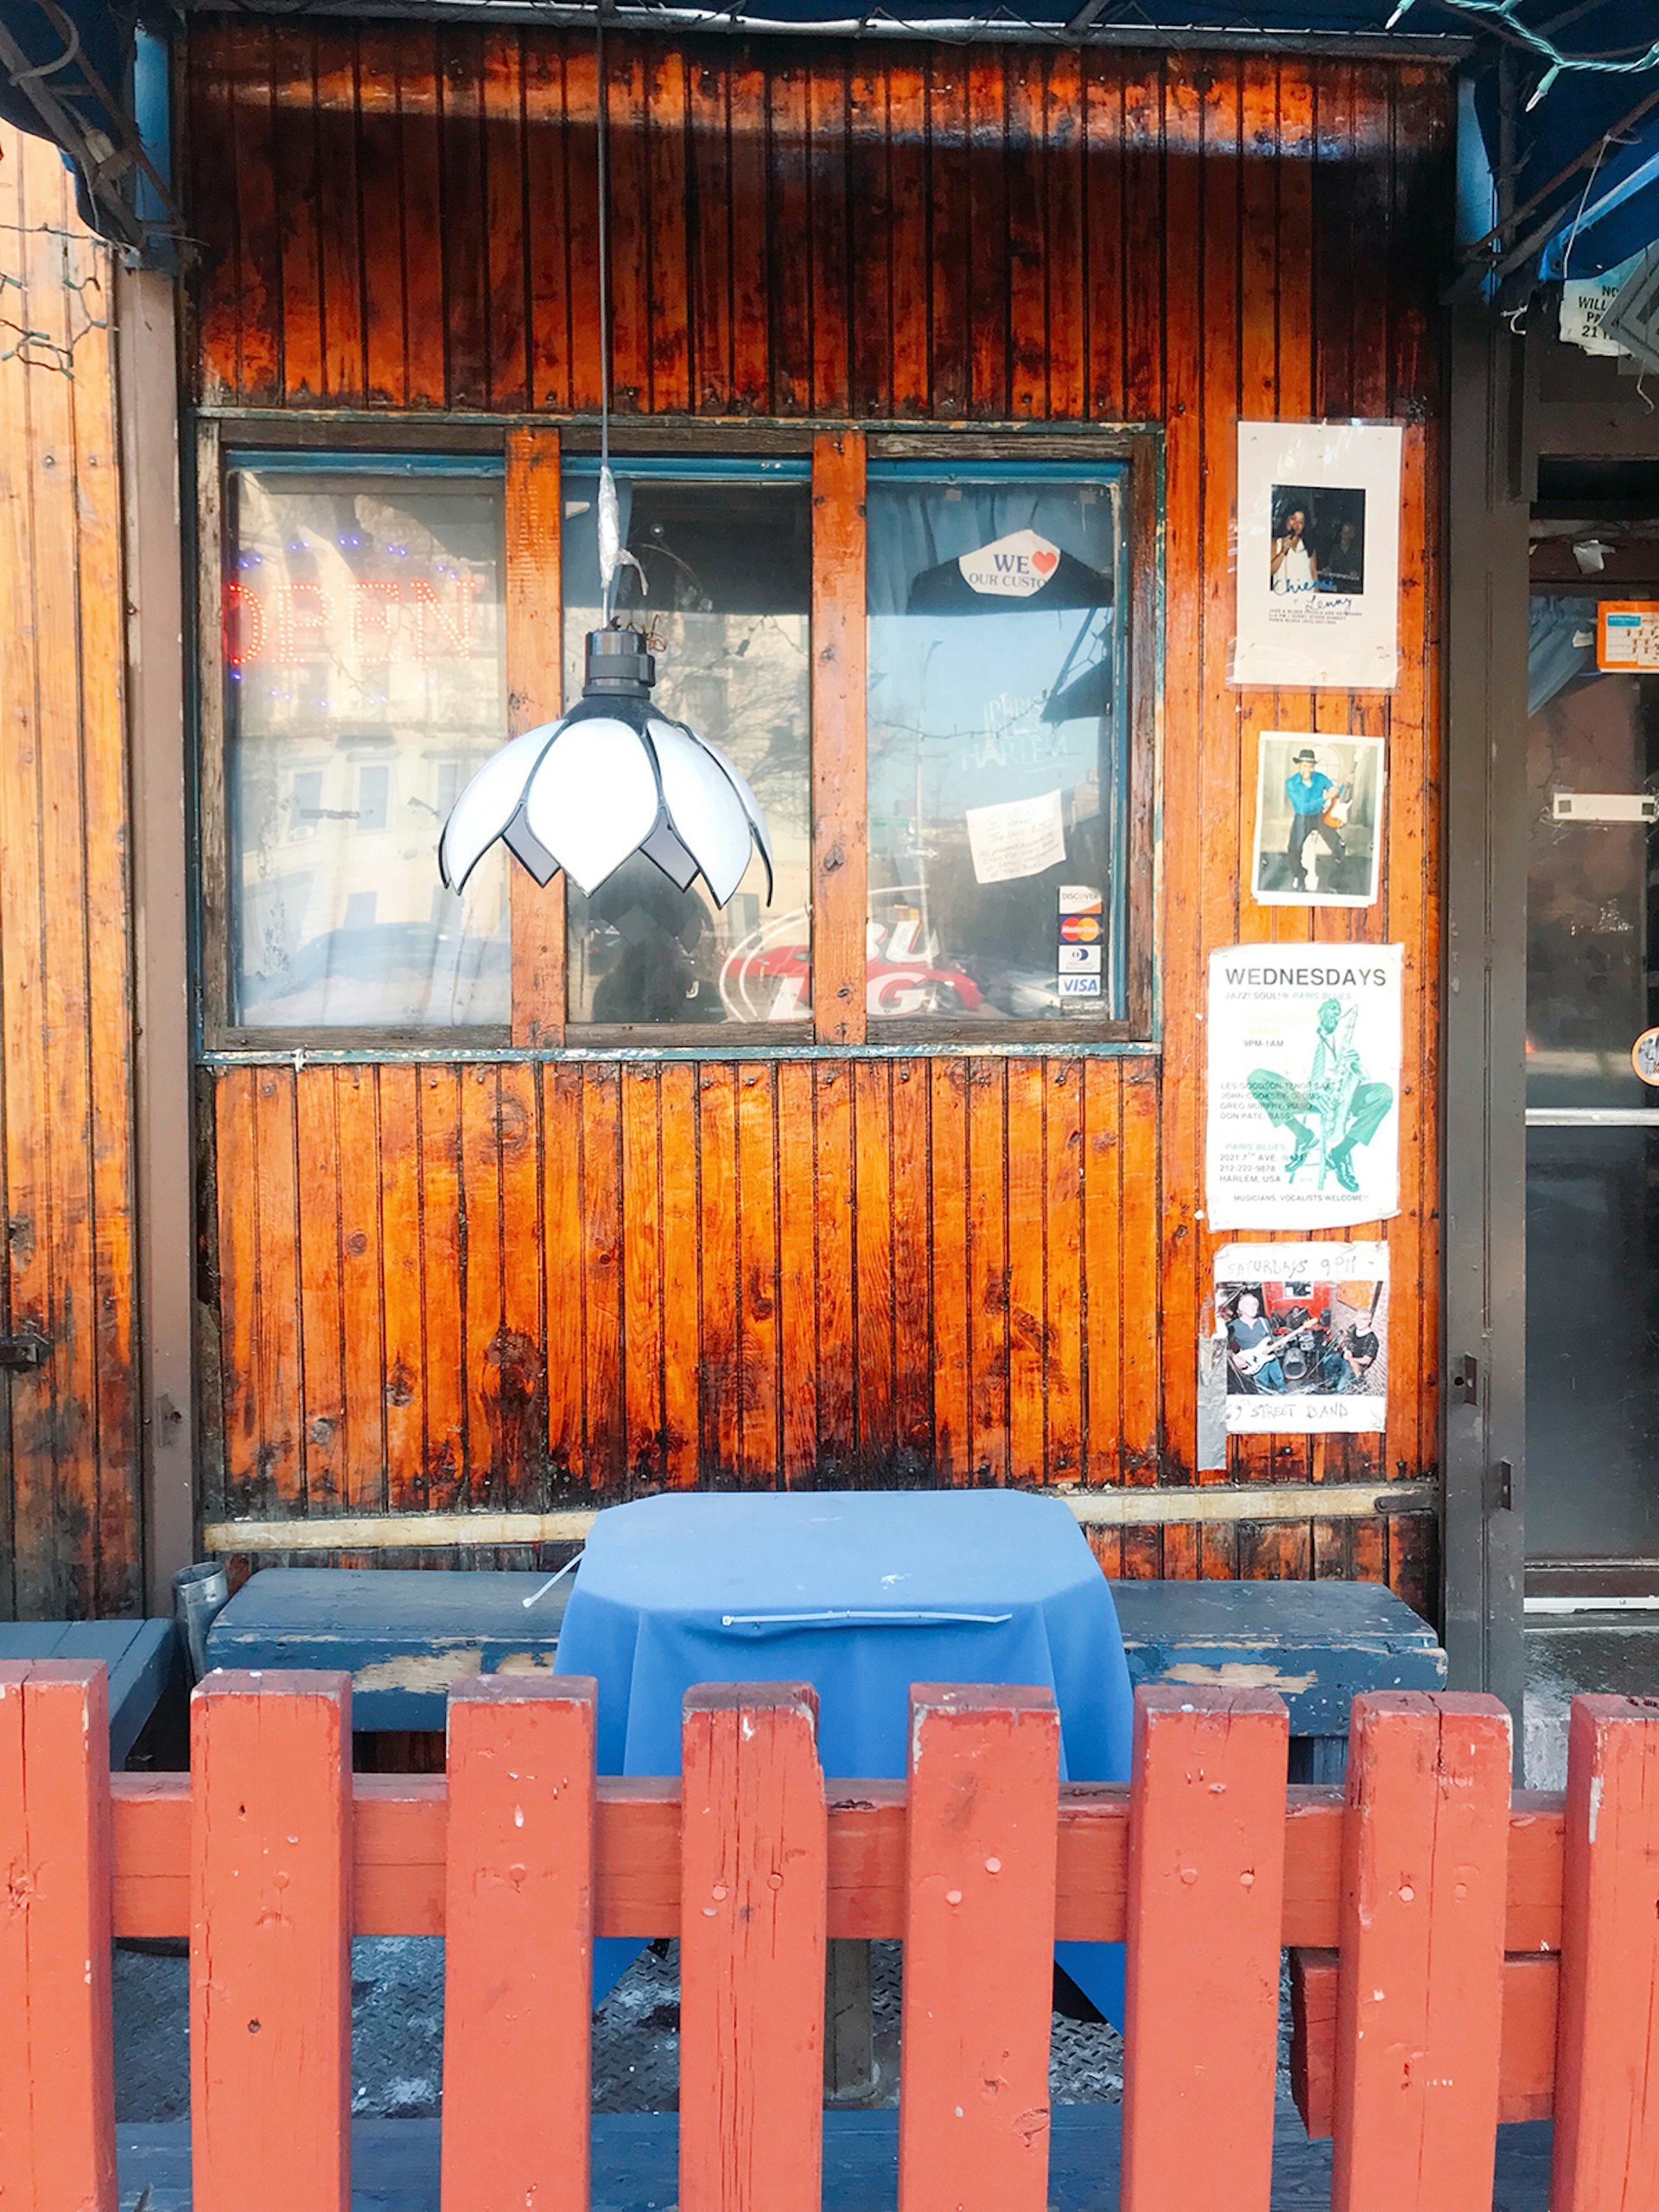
<point x="364" y="684"/>
<point x="726" y="596"/>
<point x="997" y="742"/>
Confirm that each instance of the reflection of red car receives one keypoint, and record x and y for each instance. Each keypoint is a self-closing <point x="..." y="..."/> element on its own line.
<point x="891" y="986"/>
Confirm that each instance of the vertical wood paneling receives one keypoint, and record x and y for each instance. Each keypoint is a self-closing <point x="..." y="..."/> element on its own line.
<point x="971" y="1270"/>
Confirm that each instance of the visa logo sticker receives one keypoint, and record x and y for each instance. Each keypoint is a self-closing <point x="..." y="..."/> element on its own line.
<point x="1080" y="959"/>
<point x="1079" y="987"/>
<point x="1012" y="567"/>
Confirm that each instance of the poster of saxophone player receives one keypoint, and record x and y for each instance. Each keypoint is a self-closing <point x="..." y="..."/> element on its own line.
<point x="1304" y="1336"/>
<point x="1318" y="814"/>
<point x="1302" y="1119"/>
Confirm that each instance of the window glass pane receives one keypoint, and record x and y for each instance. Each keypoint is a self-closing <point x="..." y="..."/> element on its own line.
<point x="996" y="745"/>
<point x="728" y="575"/>
<point x="364" y="684"/>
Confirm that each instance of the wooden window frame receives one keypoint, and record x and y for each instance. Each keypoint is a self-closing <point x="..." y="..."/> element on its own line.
<point x="532" y="515"/>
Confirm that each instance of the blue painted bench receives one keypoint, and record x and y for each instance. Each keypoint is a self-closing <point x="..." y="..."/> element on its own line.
<point x="395" y="2164"/>
<point x="1318" y="1644"/>
<point x="139" y="1658"/>
<point x="405" y="1635"/>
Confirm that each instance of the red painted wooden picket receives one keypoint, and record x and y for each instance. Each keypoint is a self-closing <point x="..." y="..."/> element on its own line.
<point x="1415" y="2029"/>
<point x="57" y="2099"/>
<point x="518" y="1937"/>
<point x="270" y="1950"/>
<point x="1206" y="1888"/>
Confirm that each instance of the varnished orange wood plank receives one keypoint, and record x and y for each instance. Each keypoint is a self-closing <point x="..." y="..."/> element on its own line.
<point x="678" y="1111"/>
<point x="871" y="177"/>
<point x="989" y="270"/>
<point x="276" y="1333"/>
<point x="840" y="868"/>
<point x="759" y="1439"/>
<point x="443" y="1457"/>
<point x="507" y="241"/>
<point x="1101" y="102"/>
<point x="1027" y="171"/>
<point x="236" y="1265"/>
<point x="465" y="215"/>
<point x="708" y="243"/>
<point x="519" y="1944"/>
<point x="952" y="1452"/>
<point x="663" y="115"/>
<point x="754" y="245"/>
<point x="1145" y="393"/>
<point x="797" y="1269"/>
<point x="562" y="1236"/>
<point x="57" y="2089"/>
<point x="837" y="1200"/>
<point x="404" y="1380"/>
<point x="913" y="1288"/>
<point x="987" y="1269"/>
<point x="872" y="1236"/>
<point x="1063" y="1158"/>
<point x="321" y="1315"/>
<point x="385" y="361"/>
<point x="979" y="1935"/>
<point x="295" y="212"/>
<point x="1027" y="1301"/>
<point x="718" y="1267"/>
<point x="905" y="381"/>
<point x="1419" y="1998"/>
<point x="753" y="1855"/>
<point x="340" y="236"/>
<point x="833" y="308"/>
<point x="604" y="1433"/>
<point x="270" y="1960"/>
<point x="516" y="1363"/>
<point x="480" y="1157"/>
<point x="1206" y="1917"/>
<point x="948" y="243"/>
<point x="548" y="242"/>
<point x="535" y="692"/>
<point x="644" y="1231"/>
<point x="1064" y="217"/>
<point x="1106" y="1337"/>
<point x="420" y="109"/>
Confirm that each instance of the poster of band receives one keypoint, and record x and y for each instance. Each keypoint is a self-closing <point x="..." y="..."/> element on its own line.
<point x="1318" y="820"/>
<point x="1304" y="1330"/>
<point x="1319" y="556"/>
<point x="1302" y="1122"/>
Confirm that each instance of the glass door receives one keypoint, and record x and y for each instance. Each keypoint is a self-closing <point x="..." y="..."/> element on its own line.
<point x="1592" y="1123"/>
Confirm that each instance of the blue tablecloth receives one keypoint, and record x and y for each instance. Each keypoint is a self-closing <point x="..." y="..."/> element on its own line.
<point x="861" y="1593"/>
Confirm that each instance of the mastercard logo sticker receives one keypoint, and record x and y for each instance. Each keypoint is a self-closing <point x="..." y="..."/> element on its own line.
<point x="1079" y="929"/>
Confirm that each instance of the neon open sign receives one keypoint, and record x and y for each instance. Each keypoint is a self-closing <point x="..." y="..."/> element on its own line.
<point x="390" y="620"/>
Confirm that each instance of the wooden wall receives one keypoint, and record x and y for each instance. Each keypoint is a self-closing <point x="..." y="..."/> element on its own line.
<point x="553" y="1278"/>
<point x="69" y="1474"/>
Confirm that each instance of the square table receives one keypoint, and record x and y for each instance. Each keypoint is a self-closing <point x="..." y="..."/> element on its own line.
<point x="860" y="1594"/>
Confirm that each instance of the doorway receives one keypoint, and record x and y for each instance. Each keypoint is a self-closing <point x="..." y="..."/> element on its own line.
<point x="1593" y="1121"/>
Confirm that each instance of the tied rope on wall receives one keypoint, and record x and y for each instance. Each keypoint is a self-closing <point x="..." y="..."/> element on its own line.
<point x="1505" y="13"/>
<point x="86" y="303"/>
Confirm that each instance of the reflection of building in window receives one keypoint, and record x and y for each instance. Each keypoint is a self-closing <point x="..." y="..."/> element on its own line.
<point x="364" y="618"/>
<point x="727" y="568"/>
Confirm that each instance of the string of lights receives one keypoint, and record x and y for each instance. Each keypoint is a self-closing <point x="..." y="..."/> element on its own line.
<point x="85" y="302"/>
<point x="1506" y="12"/>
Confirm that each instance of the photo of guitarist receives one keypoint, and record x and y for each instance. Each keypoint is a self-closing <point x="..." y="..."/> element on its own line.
<point x="1252" y="1343"/>
<point x="1316" y="805"/>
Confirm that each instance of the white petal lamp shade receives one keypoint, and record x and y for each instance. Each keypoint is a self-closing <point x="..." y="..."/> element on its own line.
<point x="612" y="777"/>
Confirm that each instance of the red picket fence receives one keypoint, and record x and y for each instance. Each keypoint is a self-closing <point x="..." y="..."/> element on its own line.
<point x="1459" y="1955"/>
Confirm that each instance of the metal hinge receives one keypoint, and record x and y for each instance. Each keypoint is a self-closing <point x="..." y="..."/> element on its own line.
<point x="17" y="1352"/>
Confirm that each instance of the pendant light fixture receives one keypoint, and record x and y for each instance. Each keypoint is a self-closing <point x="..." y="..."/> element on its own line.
<point x="615" y="776"/>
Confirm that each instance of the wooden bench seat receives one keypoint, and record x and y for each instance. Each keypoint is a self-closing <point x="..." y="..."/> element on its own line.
<point x="405" y="1635"/>
<point x="138" y="1656"/>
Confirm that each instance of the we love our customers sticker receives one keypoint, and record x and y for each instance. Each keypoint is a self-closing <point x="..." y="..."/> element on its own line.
<point x="1010" y="568"/>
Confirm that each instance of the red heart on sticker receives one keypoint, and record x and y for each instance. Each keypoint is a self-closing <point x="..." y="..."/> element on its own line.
<point x="1044" y="560"/>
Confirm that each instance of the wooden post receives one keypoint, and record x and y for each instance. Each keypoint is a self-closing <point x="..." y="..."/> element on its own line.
<point x="270" y="1925"/>
<point x="535" y="624"/>
<point x="754" y="1874"/>
<point x="518" y="1916"/>
<point x="1606" y="2142"/>
<point x="57" y="2097"/>
<point x="840" y="857"/>
<point x="979" y="1950"/>
<point x="1420" y="1984"/>
<point x="1206" y="1911"/>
